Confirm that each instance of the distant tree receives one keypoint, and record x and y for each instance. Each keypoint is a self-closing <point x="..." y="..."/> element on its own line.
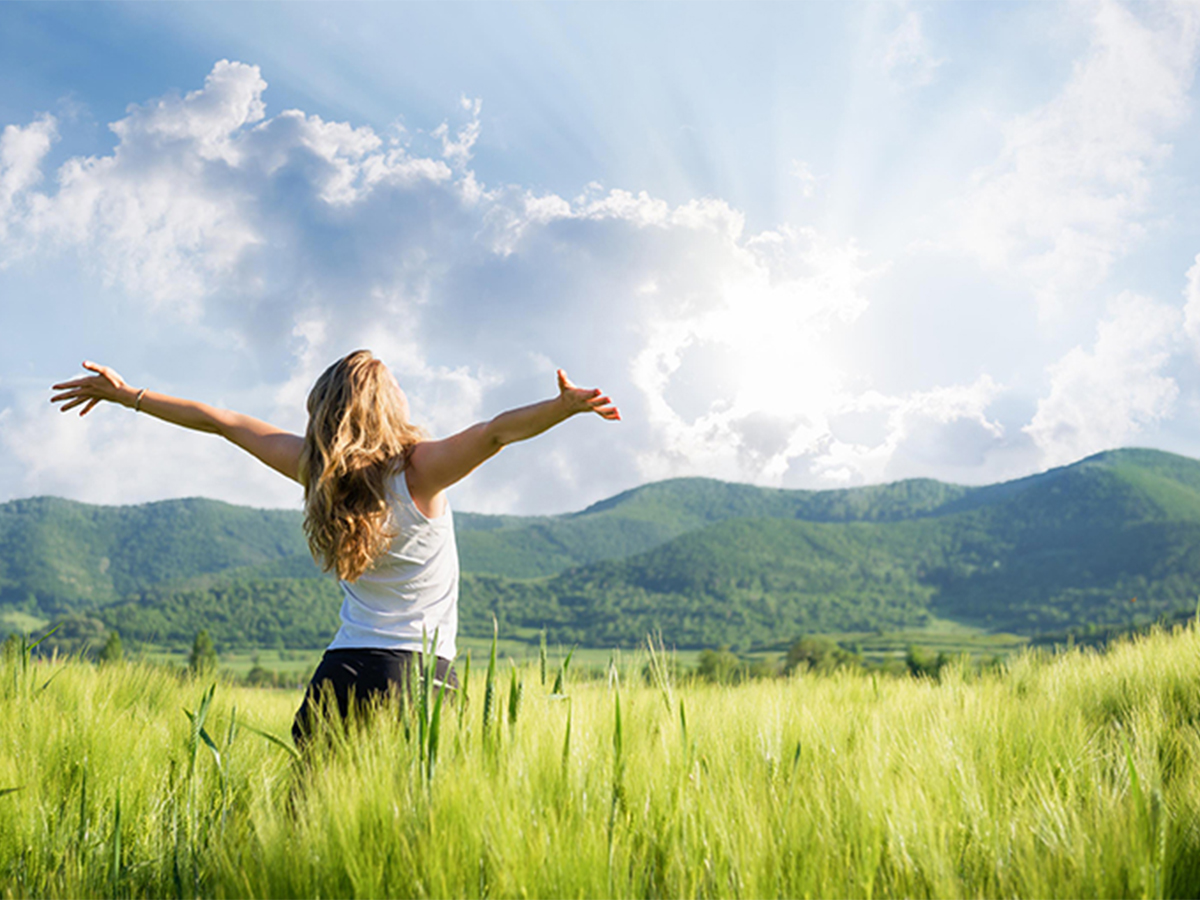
<point x="112" y="651"/>
<point x="922" y="662"/>
<point x="808" y="653"/>
<point x="720" y="666"/>
<point x="75" y="634"/>
<point x="260" y="677"/>
<point x="763" y="667"/>
<point x="204" y="655"/>
<point x="816" y="654"/>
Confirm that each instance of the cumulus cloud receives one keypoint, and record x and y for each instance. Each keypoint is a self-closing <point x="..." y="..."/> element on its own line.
<point x="1102" y="398"/>
<point x="940" y="432"/>
<point x="458" y="148"/>
<point x="205" y="119"/>
<point x="295" y="240"/>
<point x="123" y="458"/>
<point x="21" y="153"/>
<point x="1070" y="190"/>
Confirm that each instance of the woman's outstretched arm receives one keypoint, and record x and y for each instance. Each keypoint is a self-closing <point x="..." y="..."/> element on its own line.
<point x="273" y="446"/>
<point x="435" y="465"/>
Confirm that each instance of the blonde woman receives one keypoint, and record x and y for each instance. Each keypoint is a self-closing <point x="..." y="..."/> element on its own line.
<point x="375" y="506"/>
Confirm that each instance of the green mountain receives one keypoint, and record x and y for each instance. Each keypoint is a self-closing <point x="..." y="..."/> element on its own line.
<point x="58" y="556"/>
<point x="644" y="517"/>
<point x="738" y="581"/>
<point x="1106" y="540"/>
<point x="702" y="561"/>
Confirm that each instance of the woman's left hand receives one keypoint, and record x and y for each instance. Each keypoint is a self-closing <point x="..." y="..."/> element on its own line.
<point x="580" y="399"/>
<point x="106" y="384"/>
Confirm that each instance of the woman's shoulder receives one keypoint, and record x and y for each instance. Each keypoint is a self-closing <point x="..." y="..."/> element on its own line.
<point x="409" y="491"/>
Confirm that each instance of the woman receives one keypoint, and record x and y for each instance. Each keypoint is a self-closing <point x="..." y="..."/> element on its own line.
<point x="375" y="506"/>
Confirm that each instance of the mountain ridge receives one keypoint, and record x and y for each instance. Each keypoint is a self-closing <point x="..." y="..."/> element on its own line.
<point x="698" y="557"/>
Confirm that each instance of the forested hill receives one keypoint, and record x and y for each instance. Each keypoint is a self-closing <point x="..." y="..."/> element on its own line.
<point x="704" y="561"/>
<point x="645" y="517"/>
<point x="64" y="555"/>
<point x="60" y="555"/>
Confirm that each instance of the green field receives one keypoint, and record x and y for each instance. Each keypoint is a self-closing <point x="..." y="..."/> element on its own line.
<point x="950" y="638"/>
<point x="1072" y="774"/>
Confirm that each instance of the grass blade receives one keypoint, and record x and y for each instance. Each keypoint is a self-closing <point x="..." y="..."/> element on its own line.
<point x="83" y="786"/>
<point x="466" y="679"/>
<point x="566" y="750"/>
<point x="211" y="744"/>
<point x="50" y="680"/>
<point x="31" y="647"/>
<point x="464" y="687"/>
<point x="489" y="688"/>
<point x="277" y="741"/>
<point x="232" y="733"/>
<point x="560" y="679"/>
<point x="660" y="669"/>
<point x="618" y="752"/>
<point x="115" y="874"/>
<point x="542" y="656"/>
<point x="423" y="687"/>
<point x="515" y="689"/>
<point x="687" y="747"/>
<point x="435" y="729"/>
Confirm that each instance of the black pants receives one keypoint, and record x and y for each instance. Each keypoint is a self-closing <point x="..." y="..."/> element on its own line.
<point x="363" y="676"/>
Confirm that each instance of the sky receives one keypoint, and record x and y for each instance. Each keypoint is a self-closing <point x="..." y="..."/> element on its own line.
<point x="801" y="245"/>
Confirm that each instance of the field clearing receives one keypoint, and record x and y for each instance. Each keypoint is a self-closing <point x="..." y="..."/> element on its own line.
<point x="976" y="645"/>
<point x="940" y="636"/>
<point x="1060" y="775"/>
<point x="239" y="662"/>
<point x="20" y="622"/>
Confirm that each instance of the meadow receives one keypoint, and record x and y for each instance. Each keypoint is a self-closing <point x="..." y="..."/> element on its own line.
<point x="1070" y="774"/>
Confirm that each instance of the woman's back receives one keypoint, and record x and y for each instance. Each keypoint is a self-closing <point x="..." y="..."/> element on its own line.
<point x="410" y="592"/>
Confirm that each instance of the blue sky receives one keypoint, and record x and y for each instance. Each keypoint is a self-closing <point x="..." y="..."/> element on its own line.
<point x="803" y="245"/>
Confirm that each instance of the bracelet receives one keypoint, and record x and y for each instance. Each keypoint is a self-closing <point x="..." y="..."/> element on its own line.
<point x="137" y="401"/>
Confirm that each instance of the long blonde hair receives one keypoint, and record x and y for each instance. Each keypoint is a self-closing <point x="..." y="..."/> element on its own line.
<point x="358" y="438"/>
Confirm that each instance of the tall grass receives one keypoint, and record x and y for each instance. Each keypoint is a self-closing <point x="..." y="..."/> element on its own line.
<point x="1073" y="775"/>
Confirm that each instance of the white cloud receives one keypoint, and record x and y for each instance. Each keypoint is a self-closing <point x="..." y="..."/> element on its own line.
<point x="1102" y="398"/>
<point x="197" y="183"/>
<point x="942" y="432"/>
<point x="1070" y="190"/>
<point x="205" y="119"/>
<point x="113" y="455"/>
<point x="907" y="57"/>
<point x="296" y="240"/>
<point x="763" y="325"/>
<point x="21" y="153"/>
<point x="458" y="148"/>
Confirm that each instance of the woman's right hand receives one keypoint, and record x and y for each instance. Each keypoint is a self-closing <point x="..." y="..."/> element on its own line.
<point x="106" y="384"/>
<point x="579" y="400"/>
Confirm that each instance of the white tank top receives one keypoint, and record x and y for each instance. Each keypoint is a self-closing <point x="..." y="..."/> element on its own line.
<point x="411" y="590"/>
